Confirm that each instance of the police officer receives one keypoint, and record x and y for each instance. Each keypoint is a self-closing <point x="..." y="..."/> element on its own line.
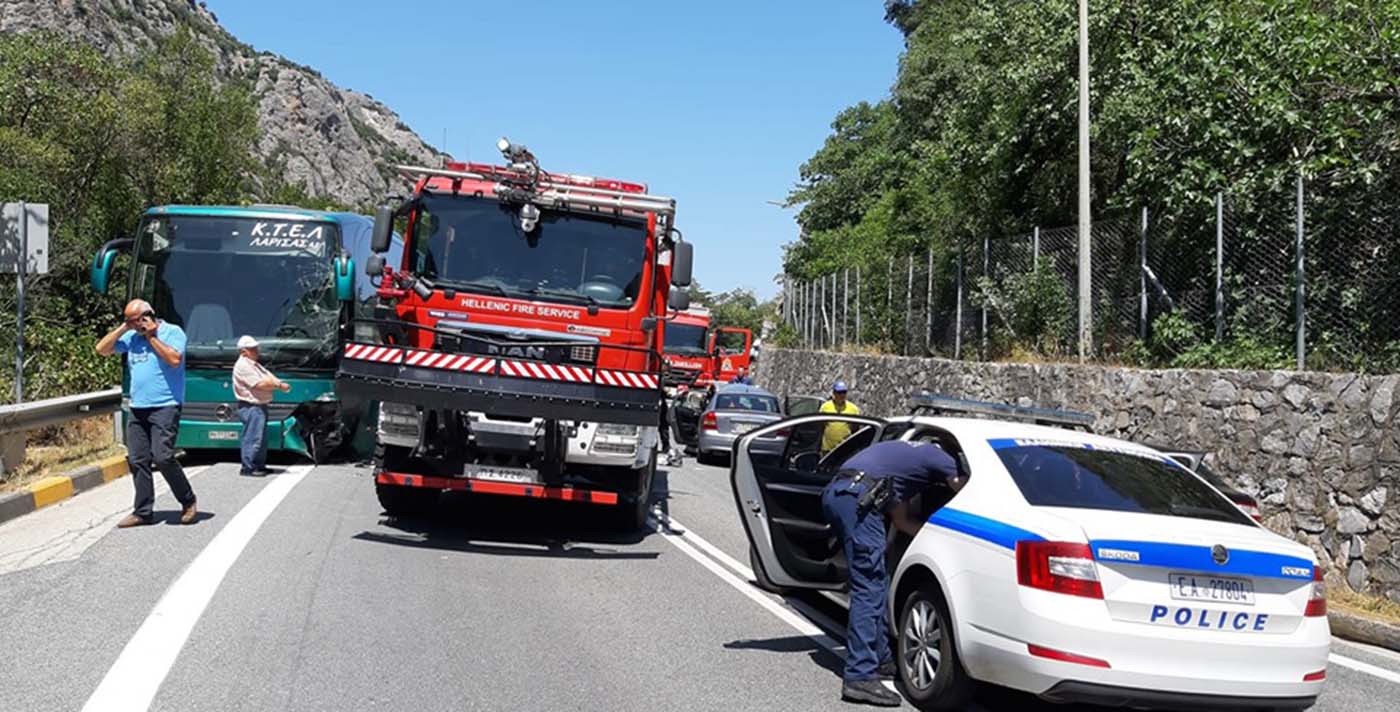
<point x="905" y="470"/>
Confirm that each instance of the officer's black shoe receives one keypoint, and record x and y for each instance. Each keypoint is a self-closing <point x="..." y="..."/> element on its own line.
<point x="870" y="692"/>
<point x="888" y="671"/>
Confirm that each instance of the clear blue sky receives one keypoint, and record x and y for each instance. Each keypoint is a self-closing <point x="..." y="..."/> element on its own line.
<point x="715" y="103"/>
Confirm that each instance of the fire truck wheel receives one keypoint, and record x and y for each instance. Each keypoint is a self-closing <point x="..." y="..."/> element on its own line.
<point x="631" y="516"/>
<point x="398" y="500"/>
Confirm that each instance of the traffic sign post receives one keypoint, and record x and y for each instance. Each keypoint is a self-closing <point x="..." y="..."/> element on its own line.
<point x="24" y="249"/>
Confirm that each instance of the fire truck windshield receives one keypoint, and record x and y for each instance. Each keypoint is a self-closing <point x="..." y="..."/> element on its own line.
<point x="476" y="245"/>
<point x="687" y="339"/>
<point x="222" y="277"/>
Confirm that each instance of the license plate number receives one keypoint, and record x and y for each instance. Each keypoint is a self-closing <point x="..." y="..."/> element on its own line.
<point x="502" y="474"/>
<point x="1215" y="589"/>
<point x="223" y="434"/>
<point x="741" y="428"/>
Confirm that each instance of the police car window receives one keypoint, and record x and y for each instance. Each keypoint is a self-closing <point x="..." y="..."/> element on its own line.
<point x="1067" y="476"/>
<point x="893" y="431"/>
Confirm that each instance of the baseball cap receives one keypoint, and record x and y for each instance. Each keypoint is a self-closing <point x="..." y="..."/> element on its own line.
<point x="839" y="387"/>
<point x="247" y="342"/>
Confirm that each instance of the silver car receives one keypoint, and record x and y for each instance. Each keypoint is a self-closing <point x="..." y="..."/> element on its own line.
<point x="733" y="410"/>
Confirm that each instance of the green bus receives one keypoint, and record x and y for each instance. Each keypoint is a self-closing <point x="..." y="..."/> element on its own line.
<point x="285" y="276"/>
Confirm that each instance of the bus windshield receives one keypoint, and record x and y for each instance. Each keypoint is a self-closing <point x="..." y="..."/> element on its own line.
<point x="220" y="277"/>
<point x="476" y="245"/>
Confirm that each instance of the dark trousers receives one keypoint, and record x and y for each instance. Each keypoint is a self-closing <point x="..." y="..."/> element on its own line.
<point x="253" y="448"/>
<point x="150" y="438"/>
<point x="863" y="541"/>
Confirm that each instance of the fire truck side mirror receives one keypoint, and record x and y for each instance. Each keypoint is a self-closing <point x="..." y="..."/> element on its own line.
<point x="682" y="260"/>
<point x="383" y="229"/>
<point x="679" y="299"/>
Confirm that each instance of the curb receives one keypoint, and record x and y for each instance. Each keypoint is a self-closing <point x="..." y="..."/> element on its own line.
<point x="1350" y="626"/>
<point x="57" y="488"/>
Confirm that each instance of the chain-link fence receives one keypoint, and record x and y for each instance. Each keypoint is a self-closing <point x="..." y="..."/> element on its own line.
<point x="1301" y="277"/>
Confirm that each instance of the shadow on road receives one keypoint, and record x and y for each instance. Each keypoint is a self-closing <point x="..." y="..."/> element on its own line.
<point x="793" y="644"/>
<point x="513" y="526"/>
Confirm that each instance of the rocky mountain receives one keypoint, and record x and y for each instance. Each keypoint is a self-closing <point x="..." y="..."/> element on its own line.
<point x="334" y="142"/>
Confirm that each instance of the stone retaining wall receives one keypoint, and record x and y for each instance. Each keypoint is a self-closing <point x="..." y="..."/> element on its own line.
<point x="1320" y="451"/>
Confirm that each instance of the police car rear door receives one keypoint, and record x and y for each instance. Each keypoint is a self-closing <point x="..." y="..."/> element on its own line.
<point x="777" y="475"/>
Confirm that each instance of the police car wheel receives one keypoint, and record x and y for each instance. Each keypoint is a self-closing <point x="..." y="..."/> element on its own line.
<point x="932" y="675"/>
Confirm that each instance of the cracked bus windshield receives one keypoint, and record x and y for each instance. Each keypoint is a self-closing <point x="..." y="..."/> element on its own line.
<point x="476" y="245"/>
<point x="686" y="339"/>
<point x="220" y="278"/>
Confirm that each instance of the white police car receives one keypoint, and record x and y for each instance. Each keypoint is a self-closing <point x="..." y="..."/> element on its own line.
<point x="1079" y="568"/>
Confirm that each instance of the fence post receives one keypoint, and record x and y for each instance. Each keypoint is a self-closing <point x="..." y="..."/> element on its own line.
<point x="846" y="306"/>
<point x="928" y="307"/>
<point x="1142" y="279"/>
<point x="889" y="302"/>
<point x="1219" y="267"/>
<point x="857" y="304"/>
<point x="1035" y="248"/>
<point x="986" y="274"/>
<point x="957" y="330"/>
<point x="908" y="302"/>
<point x="1300" y="338"/>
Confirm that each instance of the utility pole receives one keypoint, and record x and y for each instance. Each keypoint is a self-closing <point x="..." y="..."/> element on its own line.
<point x="1086" y="308"/>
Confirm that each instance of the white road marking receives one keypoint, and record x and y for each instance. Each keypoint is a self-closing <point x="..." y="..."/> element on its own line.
<point x="133" y="680"/>
<point x="1367" y="668"/>
<point x="687" y="541"/>
<point x="63" y="531"/>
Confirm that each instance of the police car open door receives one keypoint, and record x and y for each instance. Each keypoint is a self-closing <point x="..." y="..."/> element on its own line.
<point x="778" y="475"/>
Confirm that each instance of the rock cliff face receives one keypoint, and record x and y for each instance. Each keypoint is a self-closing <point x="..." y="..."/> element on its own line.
<point x="334" y="142"/>
<point x="1321" y="451"/>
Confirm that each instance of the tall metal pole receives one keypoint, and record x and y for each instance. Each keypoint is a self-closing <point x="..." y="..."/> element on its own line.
<point x="889" y="301"/>
<point x="857" y="305"/>
<point x="1142" y="279"/>
<point x="1086" y="304"/>
<point x="1219" y="267"/>
<point x="908" y="302"/>
<point x="1300" y="338"/>
<point x="846" y="306"/>
<point x="19" y="292"/>
<point x="928" y="307"/>
<point x="957" y="311"/>
<point x="986" y="274"/>
<point x="1035" y="249"/>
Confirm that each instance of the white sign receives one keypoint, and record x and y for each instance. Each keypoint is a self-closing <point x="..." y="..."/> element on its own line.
<point x="35" y="238"/>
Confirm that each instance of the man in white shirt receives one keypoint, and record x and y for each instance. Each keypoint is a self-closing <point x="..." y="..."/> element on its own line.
<point x="253" y="386"/>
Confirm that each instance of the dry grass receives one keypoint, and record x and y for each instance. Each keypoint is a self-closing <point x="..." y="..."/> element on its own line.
<point x="56" y="450"/>
<point x="1345" y="599"/>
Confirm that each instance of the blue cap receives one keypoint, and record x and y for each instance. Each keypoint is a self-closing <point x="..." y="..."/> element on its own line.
<point x="839" y="387"/>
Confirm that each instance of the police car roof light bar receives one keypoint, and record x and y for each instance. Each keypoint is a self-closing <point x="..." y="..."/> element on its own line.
<point x="927" y="403"/>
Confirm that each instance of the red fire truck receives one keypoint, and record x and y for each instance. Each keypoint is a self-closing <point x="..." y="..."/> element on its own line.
<point x="516" y="349"/>
<point x="698" y="356"/>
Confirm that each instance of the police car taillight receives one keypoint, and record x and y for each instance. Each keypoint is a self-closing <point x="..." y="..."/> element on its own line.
<point x="1317" y="600"/>
<point x="1058" y="566"/>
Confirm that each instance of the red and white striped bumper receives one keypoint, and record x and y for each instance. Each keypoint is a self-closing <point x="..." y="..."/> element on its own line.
<point x="502" y="367"/>
<point x="510" y="489"/>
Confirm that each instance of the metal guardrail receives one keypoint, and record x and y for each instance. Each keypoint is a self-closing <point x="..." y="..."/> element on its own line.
<point x="55" y="411"/>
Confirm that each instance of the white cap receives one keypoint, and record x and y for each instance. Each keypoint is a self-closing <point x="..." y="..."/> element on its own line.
<point x="247" y="342"/>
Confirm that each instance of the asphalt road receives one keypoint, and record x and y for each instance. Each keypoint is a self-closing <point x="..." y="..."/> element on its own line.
<point x="294" y="592"/>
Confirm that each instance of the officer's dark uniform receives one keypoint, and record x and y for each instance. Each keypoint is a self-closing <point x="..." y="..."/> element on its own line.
<point x="913" y="467"/>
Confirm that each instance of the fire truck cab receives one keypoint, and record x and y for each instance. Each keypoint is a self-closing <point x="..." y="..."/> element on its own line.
<point x="517" y="346"/>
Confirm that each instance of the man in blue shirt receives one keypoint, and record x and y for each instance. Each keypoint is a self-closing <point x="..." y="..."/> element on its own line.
<point x="155" y="361"/>
<point x="912" y="467"/>
<point x="742" y="377"/>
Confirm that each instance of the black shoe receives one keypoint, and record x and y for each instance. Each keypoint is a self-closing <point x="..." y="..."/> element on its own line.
<point x="870" y="692"/>
<point x="246" y="473"/>
<point x="888" y="671"/>
<point x="265" y="471"/>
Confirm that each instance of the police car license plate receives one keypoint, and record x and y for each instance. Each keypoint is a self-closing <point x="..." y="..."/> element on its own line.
<point x="1215" y="589"/>
<point x="741" y="428"/>
<point x="502" y="474"/>
<point x="223" y="434"/>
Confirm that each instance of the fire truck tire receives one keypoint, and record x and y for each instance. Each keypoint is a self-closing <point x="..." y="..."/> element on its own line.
<point x="398" y="500"/>
<point x="630" y="516"/>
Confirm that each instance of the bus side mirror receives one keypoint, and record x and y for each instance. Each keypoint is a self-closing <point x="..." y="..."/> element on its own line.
<point x="383" y="229"/>
<point x="100" y="273"/>
<point x="682" y="261"/>
<point x="374" y="266"/>
<point x="679" y="299"/>
<point x="344" y="278"/>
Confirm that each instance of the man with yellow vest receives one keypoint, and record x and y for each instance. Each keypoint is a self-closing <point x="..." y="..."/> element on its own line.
<point x="837" y="431"/>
